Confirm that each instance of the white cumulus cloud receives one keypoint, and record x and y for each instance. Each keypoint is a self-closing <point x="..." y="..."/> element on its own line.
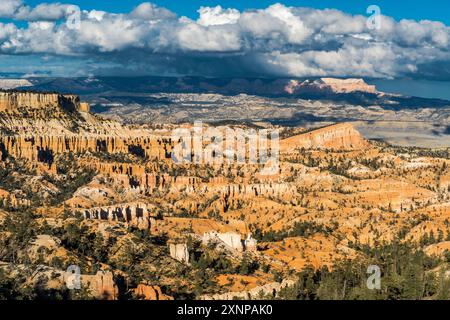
<point x="217" y="16"/>
<point x="278" y="40"/>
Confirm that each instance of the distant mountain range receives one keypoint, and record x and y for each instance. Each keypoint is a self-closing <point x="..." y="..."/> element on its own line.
<point x="351" y="91"/>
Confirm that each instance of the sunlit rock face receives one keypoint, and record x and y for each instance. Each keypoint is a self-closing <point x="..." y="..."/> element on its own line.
<point x="12" y="100"/>
<point x="340" y="136"/>
<point x="333" y="188"/>
<point x="179" y="251"/>
<point x="39" y="126"/>
<point x="347" y="85"/>
<point x="329" y="85"/>
<point x="137" y="215"/>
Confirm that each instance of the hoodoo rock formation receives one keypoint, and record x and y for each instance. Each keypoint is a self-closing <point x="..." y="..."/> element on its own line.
<point x="108" y="196"/>
<point x="30" y="147"/>
<point x="102" y="285"/>
<point x="137" y="215"/>
<point x="179" y="251"/>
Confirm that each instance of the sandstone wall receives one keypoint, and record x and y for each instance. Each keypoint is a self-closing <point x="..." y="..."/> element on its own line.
<point x="10" y="101"/>
<point x="251" y="244"/>
<point x="28" y="147"/>
<point x="135" y="214"/>
<point x="179" y="251"/>
<point x="341" y="136"/>
<point x="230" y="239"/>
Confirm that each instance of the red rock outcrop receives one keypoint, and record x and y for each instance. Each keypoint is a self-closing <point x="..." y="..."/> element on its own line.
<point x="150" y="293"/>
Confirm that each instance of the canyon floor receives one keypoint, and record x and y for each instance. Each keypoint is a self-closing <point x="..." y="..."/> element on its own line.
<point x="93" y="200"/>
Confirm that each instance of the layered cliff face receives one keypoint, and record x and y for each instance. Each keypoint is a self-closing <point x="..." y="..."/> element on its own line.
<point x="13" y="100"/>
<point x="340" y="136"/>
<point x="45" y="148"/>
<point x="39" y="126"/>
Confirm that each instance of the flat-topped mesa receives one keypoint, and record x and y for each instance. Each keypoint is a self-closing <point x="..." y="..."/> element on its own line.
<point x="329" y="86"/>
<point x="347" y="85"/>
<point x="13" y="100"/>
<point x="342" y="136"/>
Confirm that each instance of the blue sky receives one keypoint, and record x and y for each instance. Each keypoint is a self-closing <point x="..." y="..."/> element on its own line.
<point x="240" y="39"/>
